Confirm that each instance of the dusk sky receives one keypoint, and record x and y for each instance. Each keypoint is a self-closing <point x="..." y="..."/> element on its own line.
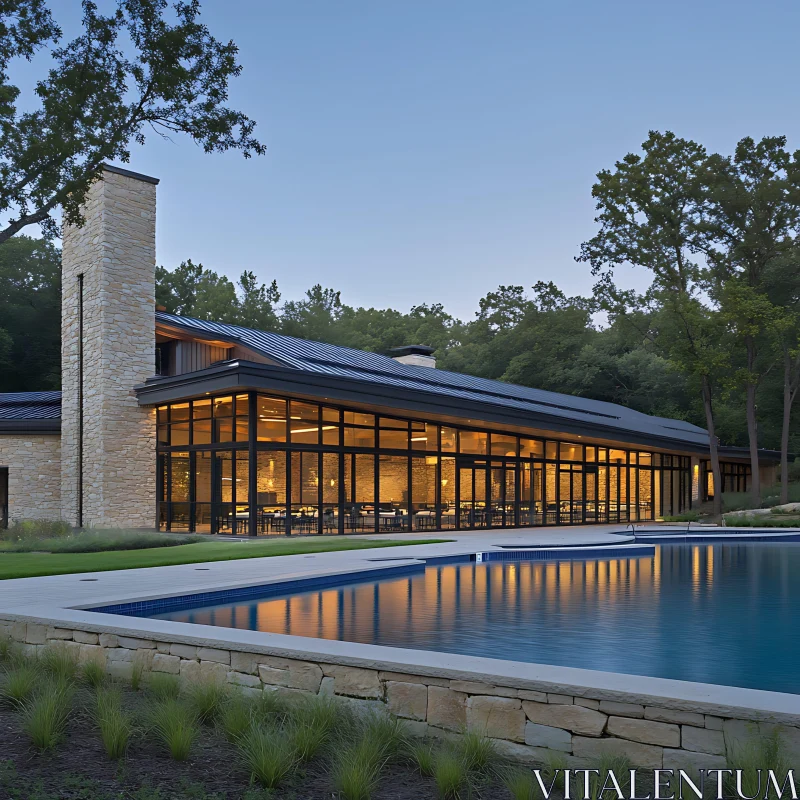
<point x="430" y="151"/>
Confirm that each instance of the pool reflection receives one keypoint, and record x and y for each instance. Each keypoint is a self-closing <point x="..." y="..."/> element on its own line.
<point x="719" y="614"/>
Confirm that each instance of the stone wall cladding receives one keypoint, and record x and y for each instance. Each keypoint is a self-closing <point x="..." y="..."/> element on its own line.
<point x="115" y="253"/>
<point x="530" y="731"/>
<point x="34" y="475"/>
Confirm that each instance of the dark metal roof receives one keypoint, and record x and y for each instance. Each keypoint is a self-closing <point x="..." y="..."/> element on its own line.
<point x="30" y="411"/>
<point x="374" y="368"/>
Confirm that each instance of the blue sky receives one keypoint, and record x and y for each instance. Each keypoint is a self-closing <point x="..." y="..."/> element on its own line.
<point x="430" y="151"/>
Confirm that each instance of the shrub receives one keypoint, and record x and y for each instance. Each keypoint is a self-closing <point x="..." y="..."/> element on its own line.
<point x="163" y="686"/>
<point x="19" y="684"/>
<point x="449" y="774"/>
<point x="268" y="755"/>
<point x="175" y="724"/>
<point x="96" y="541"/>
<point x="689" y="516"/>
<point x="46" y="714"/>
<point x="423" y="758"/>
<point x="236" y="717"/>
<point x="34" y="530"/>
<point x="207" y="698"/>
<point x="761" y="522"/>
<point x="93" y="673"/>
<point x="113" y="721"/>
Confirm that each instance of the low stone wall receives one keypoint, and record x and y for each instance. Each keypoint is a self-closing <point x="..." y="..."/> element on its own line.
<point x="526" y="725"/>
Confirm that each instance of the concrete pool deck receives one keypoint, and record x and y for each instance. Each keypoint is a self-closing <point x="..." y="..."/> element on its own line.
<point x="531" y="710"/>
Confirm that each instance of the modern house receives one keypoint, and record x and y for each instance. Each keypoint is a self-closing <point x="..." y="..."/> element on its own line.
<point x="200" y="426"/>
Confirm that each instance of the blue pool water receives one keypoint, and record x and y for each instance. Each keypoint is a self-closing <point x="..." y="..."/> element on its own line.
<point x="723" y="613"/>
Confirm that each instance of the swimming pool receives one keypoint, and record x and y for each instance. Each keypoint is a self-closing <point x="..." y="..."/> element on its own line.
<point x="717" y="613"/>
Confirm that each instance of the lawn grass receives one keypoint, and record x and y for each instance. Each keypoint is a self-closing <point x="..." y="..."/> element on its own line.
<point x="31" y="565"/>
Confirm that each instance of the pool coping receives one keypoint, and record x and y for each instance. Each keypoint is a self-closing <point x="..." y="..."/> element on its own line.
<point x="710" y="699"/>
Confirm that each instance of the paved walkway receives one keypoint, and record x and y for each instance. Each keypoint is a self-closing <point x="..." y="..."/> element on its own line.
<point x="23" y="595"/>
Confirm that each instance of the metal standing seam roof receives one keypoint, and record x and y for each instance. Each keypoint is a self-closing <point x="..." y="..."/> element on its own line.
<point x="359" y="365"/>
<point x="30" y="405"/>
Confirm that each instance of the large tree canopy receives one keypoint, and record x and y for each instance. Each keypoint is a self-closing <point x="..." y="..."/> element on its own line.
<point x="146" y="66"/>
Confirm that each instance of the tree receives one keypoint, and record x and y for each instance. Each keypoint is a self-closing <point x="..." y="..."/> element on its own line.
<point x="750" y="217"/>
<point x="315" y="316"/>
<point x="30" y="315"/>
<point x="256" y="303"/>
<point x="648" y="216"/>
<point x="194" y="291"/>
<point x="128" y="72"/>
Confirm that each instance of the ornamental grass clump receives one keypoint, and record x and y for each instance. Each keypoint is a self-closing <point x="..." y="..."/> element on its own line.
<point x="311" y="727"/>
<point x="9" y="651"/>
<point x="521" y="784"/>
<point x="610" y="762"/>
<point x="236" y="717"/>
<point x="357" y="770"/>
<point x="754" y="758"/>
<point x="423" y="758"/>
<point x="114" y="722"/>
<point x="45" y="715"/>
<point x="93" y="674"/>
<point x="137" y="675"/>
<point x="207" y="698"/>
<point x="175" y="724"/>
<point x="268" y="754"/>
<point x="478" y="753"/>
<point x="59" y="663"/>
<point x="449" y="774"/>
<point x="19" y="683"/>
<point x="163" y="686"/>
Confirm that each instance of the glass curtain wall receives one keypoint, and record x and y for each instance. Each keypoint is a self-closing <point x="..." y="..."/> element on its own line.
<point x="249" y="464"/>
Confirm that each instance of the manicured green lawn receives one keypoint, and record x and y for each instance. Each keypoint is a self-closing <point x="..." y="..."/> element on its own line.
<point x="30" y="565"/>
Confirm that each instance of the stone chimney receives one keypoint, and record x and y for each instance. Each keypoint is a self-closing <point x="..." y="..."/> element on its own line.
<point x="418" y="355"/>
<point x="108" y="443"/>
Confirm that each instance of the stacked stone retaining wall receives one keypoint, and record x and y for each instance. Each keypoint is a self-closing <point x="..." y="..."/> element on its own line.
<point x="527" y="725"/>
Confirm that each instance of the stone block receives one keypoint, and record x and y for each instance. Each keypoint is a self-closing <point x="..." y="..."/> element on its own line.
<point x="58" y="633"/>
<point x="189" y="669"/>
<point x="674" y="716"/>
<point x="136" y="644"/>
<point x="739" y="734"/>
<point x="122" y="670"/>
<point x="120" y="654"/>
<point x="213" y="672"/>
<point x="85" y="637"/>
<point x="187" y="651"/>
<point x="545" y="736"/>
<point x="244" y="679"/>
<point x="587" y="702"/>
<point x="91" y="652"/>
<point x="713" y="723"/>
<point x="163" y="647"/>
<point x="577" y="719"/>
<point x="560" y="699"/>
<point x="486" y="689"/>
<point x="446" y="708"/>
<point x="165" y="663"/>
<point x="407" y="700"/>
<point x="622" y="709"/>
<point x="353" y="681"/>
<point x="404" y="677"/>
<point x="496" y="717"/>
<point x="326" y="687"/>
<point x="108" y="640"/>
<point x="19" y="631"/>
<point x="703" y="740"/>
<point x="244" y="662"/>
<point x="645" y="731"/>
<point x="691" y="762"/>
<point x="415" y="728"/>
<point x="590" y="751"/>
<point x="211" y="654"/>
<point x="530" y="694"/>
<point x="303" y="675"/>
<point x="36" y="634"/>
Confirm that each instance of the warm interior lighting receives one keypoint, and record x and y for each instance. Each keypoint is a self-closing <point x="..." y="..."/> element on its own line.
<point x="419" y="438"/>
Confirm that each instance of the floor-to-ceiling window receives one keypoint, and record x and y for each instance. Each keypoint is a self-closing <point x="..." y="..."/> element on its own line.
<point x="251" y="464"/>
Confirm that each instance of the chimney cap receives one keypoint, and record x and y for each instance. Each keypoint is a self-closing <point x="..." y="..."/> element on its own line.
<point x="412" y="350"/>
<point x="129" y="173"/>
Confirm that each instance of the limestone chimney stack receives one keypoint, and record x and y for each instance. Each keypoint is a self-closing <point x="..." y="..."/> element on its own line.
<point x="107" y="347"/>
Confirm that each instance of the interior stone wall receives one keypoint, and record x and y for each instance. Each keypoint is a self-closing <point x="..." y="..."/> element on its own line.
<point x="114" y="251"/>
<point x="34" y="475"/>
<point x="526" y="725"/>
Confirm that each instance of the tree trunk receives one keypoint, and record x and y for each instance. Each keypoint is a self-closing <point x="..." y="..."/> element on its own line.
<point x="787" y="416"/>
<point x="752" y="424"/>
<point x="712" y="446"/>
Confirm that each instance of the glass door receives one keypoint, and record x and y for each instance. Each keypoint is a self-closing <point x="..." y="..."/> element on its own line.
<point x="474" y="503"/>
